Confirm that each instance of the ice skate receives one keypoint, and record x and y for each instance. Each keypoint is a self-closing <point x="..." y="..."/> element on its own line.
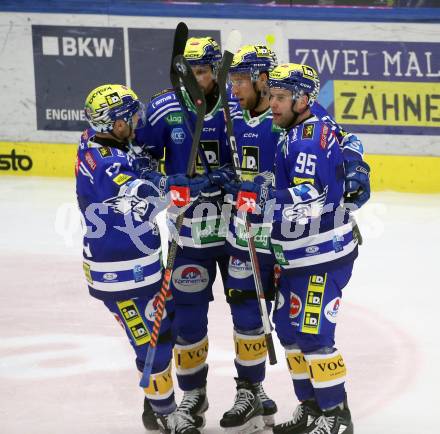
<point x="246" y="415"/>
<point x="195" y="402"/>
<point x="149" y="418"/>
<point x="178" y="423"/>
<point x="336" y="421"/>
<point x="303" y="417"/>
<point x="269" y="405"/>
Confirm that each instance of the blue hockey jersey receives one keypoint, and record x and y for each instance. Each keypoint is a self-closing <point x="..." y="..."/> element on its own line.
<point x="312" y="232"/>
<point x="257" y="140"/>
<point x="122" y="255"/>
<point x="166" y="134"/>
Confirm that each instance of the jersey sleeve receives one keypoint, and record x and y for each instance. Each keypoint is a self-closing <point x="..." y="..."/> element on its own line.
<point x="349" y="143"/>
<point x="154" y="135"/>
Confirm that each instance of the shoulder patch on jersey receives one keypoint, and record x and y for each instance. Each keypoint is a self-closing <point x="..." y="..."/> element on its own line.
<point x="105" y="151"/>
<point x="90" y="160"/>
<point x="174" y="118"/>
<point x="323" y="139"/>
<point x="162" y="99"/>
<point x="162" y="92"/>
<point x="308" y="130"/>
<point x="122" y="178"/>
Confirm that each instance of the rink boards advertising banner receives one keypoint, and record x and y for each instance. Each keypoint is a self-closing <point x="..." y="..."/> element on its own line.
<point x="379" y="79"/>
<point x="376" y="87"/>
<point x="70" y="61"/>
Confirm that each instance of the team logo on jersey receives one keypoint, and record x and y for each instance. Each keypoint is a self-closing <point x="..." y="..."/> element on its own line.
<point x="174" y="118"/>
<point x="127" y="204"/>
<point x="303" y="211"/>
<point x="250" y="160"/>
<point x="308" y="130"/>
<point x="239" y="269"/>
<point x="190" y="278"/>
<point x="90" y="160"/>
<point x="212" y="152"/>
<point x="295" y="305"/>
<point x="178" y="136"/>
<point x="331" y="309"/>
<point x="105" y="151"/>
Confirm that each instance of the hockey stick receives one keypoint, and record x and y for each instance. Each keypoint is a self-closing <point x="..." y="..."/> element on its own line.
<point x="221" y="80"/>
<point x="187" y="79"/>
<point x="180" y="38"/>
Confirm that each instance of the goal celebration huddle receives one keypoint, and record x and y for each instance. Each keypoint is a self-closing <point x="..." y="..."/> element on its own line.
<point x="259" y="183"/>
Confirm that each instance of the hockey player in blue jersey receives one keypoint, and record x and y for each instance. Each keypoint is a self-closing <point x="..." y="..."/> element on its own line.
<point x="313" y="241"/>
<point x="122" y="254"/>
<point x="202" y="236"/>
<point x="256" y="144"/>
<point x="257" y="137"/>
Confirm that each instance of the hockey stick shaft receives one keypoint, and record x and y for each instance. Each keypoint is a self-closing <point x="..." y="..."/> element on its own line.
<point x="226" y="62"/>
<point x="180" y="38"/>
<point x="190" y="83"/>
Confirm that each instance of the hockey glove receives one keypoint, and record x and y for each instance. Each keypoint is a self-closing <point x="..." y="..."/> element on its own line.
<point x="357" y="182"/>
<point x="142" y="161"/>
<point x="253" y="197"/>
<point x="222" y="176"/>
<point x="352" y="148"/>
<point x="231" y="189"/>
<point x="186" y="190"/>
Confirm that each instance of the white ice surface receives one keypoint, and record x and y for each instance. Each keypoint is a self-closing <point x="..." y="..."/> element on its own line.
<point x="66" y="367"/>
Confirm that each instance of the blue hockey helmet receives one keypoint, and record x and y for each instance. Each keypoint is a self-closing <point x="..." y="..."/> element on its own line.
<point x="299" y="79"/>
<point x="202" y="51"/>
<point x="253" y="59"/>
<point x="109" y="102"/>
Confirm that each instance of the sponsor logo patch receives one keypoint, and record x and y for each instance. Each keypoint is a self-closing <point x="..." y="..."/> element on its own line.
<point x="190" y="278"/>
<point x="178" y="135"/>
<point x="110" y="277"/>
<point x="295" y="305"/>
<point x="308" y="130"/>
<point x="331" y="309"/>
<point x="239" y="269"/>
<point x="175" y="118"/>
<point x="151" y="308"/>
<point x="323" y="140"/>
<point x="122" y="178"/>
<point x="105" y="152"/>
<point x="90" y="160"/>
